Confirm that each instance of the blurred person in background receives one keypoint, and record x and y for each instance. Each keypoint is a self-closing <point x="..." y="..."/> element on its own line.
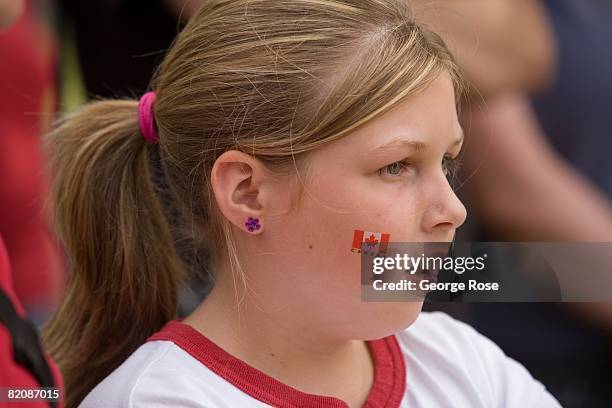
<point x="24" y="365"/>
<point x="27" y="104"/>
<point x="537" y="165"/>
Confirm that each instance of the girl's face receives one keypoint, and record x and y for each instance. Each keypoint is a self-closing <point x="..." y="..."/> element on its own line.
<point x="388" y="176"/>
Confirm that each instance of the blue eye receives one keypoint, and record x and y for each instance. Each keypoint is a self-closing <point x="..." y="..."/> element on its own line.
<point x="394" y="169"/>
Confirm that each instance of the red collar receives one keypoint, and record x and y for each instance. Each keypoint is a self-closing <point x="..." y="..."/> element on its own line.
<point x="387" y="391"/>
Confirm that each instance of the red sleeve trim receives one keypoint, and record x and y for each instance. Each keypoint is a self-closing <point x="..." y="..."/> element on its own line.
<point x="387" y="391"/>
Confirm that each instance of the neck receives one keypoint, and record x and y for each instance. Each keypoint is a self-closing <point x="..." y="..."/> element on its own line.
<point x="277" y="343"/>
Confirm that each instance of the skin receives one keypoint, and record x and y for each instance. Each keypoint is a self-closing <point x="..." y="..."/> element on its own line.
<point x="301" y="319"/>
<point x="501" y="44"/>
<point x="9" y="12"/>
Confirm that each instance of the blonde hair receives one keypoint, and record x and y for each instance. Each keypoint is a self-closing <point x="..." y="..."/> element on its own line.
<point x="274" y="79"/>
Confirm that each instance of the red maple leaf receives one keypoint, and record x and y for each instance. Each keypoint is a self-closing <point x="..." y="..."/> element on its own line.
<point x="371" y="240"/>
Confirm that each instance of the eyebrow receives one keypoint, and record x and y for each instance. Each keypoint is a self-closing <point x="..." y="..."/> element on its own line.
<point x="418" y="145"/>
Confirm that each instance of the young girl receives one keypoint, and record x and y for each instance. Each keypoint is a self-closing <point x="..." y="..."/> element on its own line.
<point x="275" y="130"/>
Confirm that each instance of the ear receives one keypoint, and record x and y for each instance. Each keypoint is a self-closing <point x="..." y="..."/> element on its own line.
<point x="237" y="180"/>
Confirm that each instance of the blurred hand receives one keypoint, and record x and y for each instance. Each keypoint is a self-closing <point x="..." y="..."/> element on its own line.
<point x="500" y="44"/>
<point x="9" y="11"/>
<point x="523" y="189"/>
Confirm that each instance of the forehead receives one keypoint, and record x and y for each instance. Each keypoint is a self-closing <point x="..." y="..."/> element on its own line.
<point x="429" y="117"/>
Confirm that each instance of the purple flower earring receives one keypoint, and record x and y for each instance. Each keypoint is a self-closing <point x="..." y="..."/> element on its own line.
<point x="252" y="224"/>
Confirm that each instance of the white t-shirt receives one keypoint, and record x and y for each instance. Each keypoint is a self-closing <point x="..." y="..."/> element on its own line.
<point x="437" y="362"/>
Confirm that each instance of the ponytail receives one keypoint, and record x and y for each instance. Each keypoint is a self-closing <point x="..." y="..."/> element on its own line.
<point x="124" y="273"/>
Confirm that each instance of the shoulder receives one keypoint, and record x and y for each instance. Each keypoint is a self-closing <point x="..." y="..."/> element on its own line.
<point x="160" y="374"/>
<point x="451" y="360"/>
<point x="116" y="389"/>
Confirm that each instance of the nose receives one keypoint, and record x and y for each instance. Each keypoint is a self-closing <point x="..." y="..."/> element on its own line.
<point x="444" y="214"/>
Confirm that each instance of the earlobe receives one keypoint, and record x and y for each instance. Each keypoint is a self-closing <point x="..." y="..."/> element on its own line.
<point x="236" y="181"/>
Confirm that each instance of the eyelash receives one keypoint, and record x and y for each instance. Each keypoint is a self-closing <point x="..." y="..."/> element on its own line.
<point x="451" y="166"/>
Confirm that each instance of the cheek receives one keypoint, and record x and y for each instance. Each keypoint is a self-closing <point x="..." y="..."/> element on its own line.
<point x="392" y="208"/>
<point x="334" y="275"/>
<point x="332" y="212"/>
<point x="319" y="237"/>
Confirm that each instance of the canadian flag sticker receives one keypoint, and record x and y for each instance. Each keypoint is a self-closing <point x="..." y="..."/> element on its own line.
<point x="375" y="242"/>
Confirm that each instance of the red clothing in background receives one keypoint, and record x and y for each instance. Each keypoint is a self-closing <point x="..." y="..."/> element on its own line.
<point x="27" y="104"/>
<point x="13" y="375"/>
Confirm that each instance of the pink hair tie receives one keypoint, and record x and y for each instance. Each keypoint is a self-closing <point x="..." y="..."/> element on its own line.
<point x="146" y="119"/>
